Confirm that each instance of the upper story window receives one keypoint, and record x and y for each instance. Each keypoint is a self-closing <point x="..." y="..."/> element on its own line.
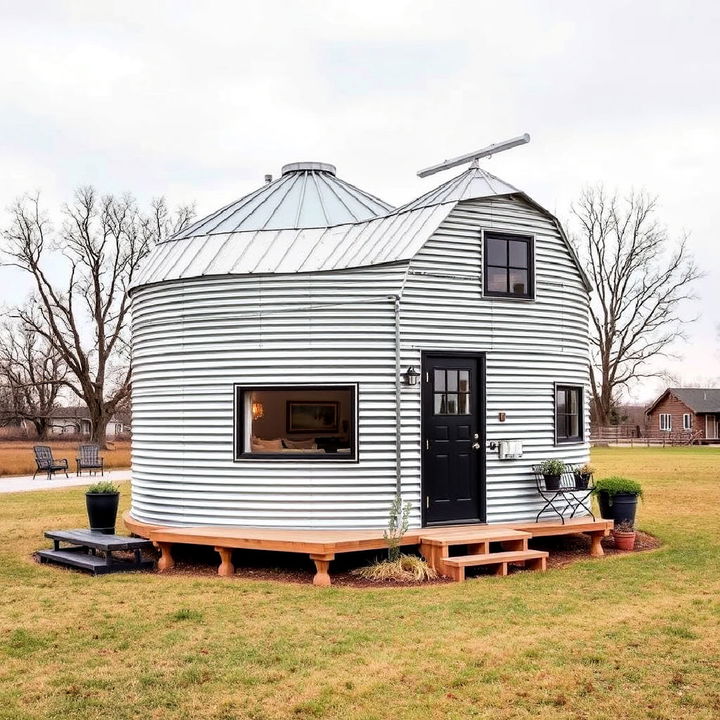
<point x="687" y="421"/>
<point x="294" y="422"/>
<point x="665" y="421"/>
<point x="508" y="266"/>
<point x="568" y="413"/>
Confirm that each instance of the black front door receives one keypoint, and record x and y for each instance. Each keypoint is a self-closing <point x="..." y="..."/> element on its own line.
<point x="453" y="467"/>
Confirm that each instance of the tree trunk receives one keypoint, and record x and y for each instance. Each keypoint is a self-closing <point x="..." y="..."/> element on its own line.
<point x="99" y="428"/>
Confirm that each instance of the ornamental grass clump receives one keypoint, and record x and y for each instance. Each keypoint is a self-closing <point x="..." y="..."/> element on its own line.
<point x="398" y="567"/>
<point x="406" y="568"/>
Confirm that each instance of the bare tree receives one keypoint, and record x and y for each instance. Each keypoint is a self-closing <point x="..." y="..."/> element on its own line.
<point x="641" y="279"/>
<point x="31" y="375"/>
<point x="84" y="317"/>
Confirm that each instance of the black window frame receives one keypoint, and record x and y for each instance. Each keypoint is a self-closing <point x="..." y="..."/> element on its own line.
<point x="574" y="439"/>
<point x="240" y="454"/>
<point x="509" y="237"/>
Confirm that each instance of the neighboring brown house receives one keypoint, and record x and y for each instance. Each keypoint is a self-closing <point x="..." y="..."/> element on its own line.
<point x="695" y="411"/>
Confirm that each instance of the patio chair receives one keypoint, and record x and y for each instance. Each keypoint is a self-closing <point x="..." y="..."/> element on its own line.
<point x="89" y="459"/>
<point x="47" y="463"/>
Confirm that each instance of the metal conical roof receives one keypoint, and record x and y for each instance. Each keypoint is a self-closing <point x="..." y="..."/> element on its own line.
<point x="469" y="185"/>
<point x="306" y="195"/>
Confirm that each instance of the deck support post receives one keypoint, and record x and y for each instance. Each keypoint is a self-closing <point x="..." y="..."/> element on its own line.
<point x="166" y="561"/>
<point x="226" y="569"/>
<point x="596" y="548"/>
<point x="322" y="567"/>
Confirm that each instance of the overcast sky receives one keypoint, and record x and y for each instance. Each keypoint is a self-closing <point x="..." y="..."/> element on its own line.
<point x="198" y="100"/>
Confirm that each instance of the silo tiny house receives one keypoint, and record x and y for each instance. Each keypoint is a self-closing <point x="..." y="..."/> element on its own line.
<point x="277" y="343"/>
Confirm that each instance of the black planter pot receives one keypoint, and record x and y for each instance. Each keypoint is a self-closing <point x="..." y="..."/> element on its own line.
<point x="102" y="511"/>
<point x="582" y="480"/>
<point x="620" y="508"/>
<point x="552" y="482"/>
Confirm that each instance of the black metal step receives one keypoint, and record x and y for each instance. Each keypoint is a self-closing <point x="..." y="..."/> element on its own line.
<point x="98" y="540"/>
<point x="96" y="564"/>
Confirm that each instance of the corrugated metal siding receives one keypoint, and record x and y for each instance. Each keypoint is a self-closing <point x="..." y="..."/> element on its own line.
<point x="192" y="340"/>
<point x="530" y="345"/>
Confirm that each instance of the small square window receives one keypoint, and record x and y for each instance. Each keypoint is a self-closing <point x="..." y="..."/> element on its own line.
<point x="508" y="266"/>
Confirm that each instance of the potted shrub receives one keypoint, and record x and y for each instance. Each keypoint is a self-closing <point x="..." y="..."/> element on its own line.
<point x="102" y="500"/>
<point x="583" y="475"/>
<point x="624" y="535"/>
<point x="552" y="471"/>
<point x="617" y="498"/>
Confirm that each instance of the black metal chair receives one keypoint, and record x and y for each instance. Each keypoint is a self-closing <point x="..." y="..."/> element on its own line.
<point x="47" y="463"/>
<point x="89" y="459"/>
<point x="567" y="496"/>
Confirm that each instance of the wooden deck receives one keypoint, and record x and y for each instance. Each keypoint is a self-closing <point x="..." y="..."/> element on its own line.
<point x="323" y="545"/>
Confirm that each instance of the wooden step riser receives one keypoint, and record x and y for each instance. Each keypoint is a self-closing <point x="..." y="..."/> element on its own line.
<point x="457" y="572"/>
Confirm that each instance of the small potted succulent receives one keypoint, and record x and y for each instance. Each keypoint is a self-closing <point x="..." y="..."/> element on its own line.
<point x="102" y="500"/>
<point x="624" y="536"/>
<point x="617" y="498"/>
<point x="583" y="475"/>
<point x="552" y="471"/>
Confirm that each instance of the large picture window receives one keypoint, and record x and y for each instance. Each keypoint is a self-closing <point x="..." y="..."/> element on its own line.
<point x="296" y="422"/>
<point x="508" y="266"/>
<point x="568" y="413"/>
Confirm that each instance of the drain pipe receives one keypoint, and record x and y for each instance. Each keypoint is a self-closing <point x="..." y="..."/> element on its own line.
<point x="398" y="399"/>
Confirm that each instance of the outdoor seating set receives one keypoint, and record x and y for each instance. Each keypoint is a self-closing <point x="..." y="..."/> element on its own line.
<point x="88" y="459"/>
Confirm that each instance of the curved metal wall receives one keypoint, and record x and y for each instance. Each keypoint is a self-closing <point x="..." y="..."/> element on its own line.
<point x="193" y="339"/>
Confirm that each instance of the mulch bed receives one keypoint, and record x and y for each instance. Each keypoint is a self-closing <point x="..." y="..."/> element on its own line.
<point x="197" y="561"/>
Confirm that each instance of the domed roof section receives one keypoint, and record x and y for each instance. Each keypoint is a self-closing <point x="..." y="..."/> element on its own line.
<point x="306" y="195"/>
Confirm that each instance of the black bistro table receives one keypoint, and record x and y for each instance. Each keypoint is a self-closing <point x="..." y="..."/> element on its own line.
<point x="565" y="497"/>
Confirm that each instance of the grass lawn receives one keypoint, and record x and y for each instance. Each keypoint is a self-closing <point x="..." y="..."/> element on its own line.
<point x="633" y="636"/>
<point x="16" y="456"/>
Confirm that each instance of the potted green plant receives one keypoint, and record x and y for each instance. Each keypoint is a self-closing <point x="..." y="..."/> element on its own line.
<point x="552" y="471"/>
<point x="101" y="500"/>
<point x="583" y="475"/>
<point x="617" y="498"/>
<point x="624" y="536"/>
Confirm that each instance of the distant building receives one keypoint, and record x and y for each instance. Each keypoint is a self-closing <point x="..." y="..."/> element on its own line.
<point x="694" y="411"/>
<point x="75" y="420"/>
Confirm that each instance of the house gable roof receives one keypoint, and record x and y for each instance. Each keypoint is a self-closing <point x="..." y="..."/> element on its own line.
<point x="699" y="400"/>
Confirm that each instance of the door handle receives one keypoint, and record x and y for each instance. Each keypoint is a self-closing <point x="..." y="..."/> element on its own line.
<point x="476" y="446"/>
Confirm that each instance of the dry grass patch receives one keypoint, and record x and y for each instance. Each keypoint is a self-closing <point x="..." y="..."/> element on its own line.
<point x="634" y="636"/>
<point x="407" y="568"/>
<point x="17" y="458"/>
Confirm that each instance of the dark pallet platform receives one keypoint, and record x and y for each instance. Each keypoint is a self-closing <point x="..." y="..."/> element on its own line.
<point x="93" y="551"/>
<point x="97" y="565"/>
<point x="98" y="540"/>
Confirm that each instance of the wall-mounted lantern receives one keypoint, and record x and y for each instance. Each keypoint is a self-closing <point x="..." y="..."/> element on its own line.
<point x="411" y="376"/>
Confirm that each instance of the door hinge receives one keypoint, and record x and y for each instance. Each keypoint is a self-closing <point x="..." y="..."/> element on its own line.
<point x="427" y="502"/>
<point x="427" y="444"/>
<point x="427" y="376"/>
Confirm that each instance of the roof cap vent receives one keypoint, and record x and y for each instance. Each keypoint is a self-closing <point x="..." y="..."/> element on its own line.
<point x="308" y="167"/>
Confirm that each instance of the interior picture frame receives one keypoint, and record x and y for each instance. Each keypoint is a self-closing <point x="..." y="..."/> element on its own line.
<point x="312" y="416"/>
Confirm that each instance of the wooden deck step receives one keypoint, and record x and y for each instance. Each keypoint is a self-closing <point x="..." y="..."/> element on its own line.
<point x="470" y="536"/>
<point x="454" y="567"/>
